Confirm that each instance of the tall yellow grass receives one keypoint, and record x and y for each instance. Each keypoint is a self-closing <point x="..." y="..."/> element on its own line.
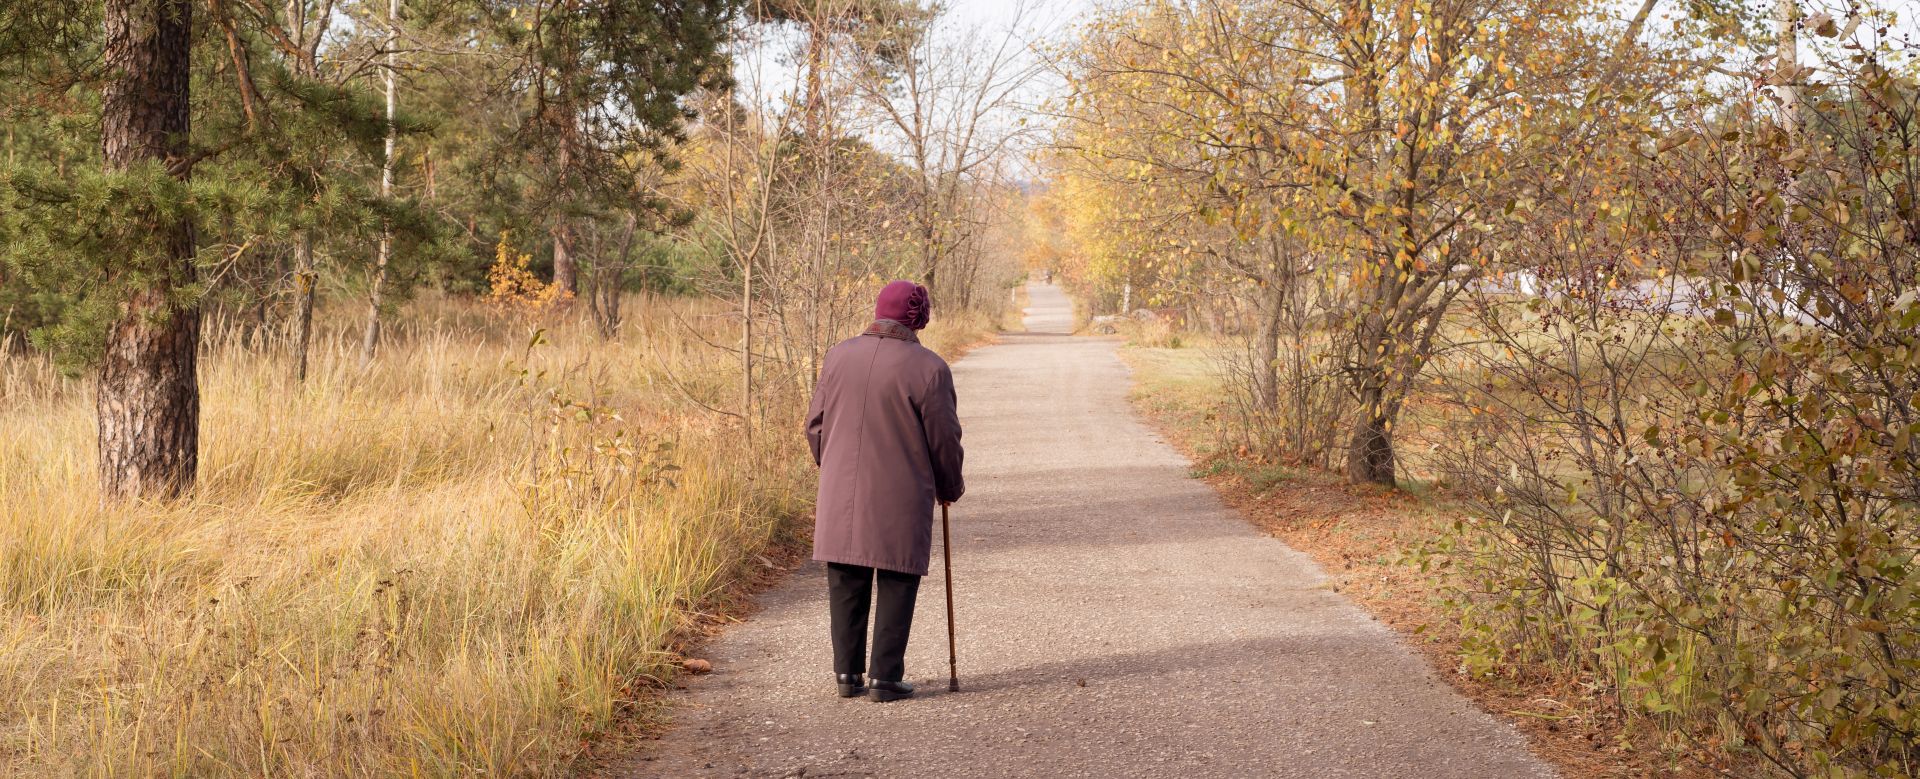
<point x="463" y="560"/>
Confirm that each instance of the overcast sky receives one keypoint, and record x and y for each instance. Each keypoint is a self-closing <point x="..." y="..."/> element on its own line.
<point x="768" y="70"/>
<point x="1052" y="13"/>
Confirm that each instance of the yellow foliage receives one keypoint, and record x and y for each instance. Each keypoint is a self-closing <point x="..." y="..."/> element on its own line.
<point x="511" y="286"/>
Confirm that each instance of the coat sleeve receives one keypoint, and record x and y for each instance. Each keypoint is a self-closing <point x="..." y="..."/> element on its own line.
<point x="817" y="422"/>
<point x="940" y="419"/>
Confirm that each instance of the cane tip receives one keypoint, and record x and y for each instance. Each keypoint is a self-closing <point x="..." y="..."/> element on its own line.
<point x="953" y="686"/>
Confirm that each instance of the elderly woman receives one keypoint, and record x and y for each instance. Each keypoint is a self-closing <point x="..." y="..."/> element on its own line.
<point x="886" y="435"/>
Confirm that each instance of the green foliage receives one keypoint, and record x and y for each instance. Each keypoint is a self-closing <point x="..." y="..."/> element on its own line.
<point x="289" y="125"/>
<point x="666" y="265"/>
<point x="73" y="249"/>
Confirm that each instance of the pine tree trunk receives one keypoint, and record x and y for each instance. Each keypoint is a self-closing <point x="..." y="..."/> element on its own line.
<point x="566" y="272"/>
<point x="148" y="400"/>
<point x="304" y="281"/>
<point x="305" y="273"/>
<point x="566" y="268"/>
<point x="376" y="300"/>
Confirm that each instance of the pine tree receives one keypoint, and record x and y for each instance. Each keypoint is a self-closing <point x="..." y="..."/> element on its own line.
<point x="149" y="393"/>
<point x="608" y="78"/>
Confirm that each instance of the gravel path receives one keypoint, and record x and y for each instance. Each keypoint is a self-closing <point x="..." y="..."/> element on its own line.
<point x="1116" y="620"/>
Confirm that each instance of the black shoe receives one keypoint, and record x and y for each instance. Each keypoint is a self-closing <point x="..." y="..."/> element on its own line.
<point x="851" y="685"/>
<point x="883" y="692"/>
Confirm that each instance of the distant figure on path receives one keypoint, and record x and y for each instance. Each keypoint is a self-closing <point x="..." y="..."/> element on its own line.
<point x="885" y="432"/>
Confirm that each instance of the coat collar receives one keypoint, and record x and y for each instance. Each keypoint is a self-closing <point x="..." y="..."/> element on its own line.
<point x="887" y="328"/>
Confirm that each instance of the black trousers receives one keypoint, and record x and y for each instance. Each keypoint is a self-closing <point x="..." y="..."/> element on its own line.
<point x="850" y="590"/>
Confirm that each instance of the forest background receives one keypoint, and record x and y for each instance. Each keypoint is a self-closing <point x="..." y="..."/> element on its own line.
<point x="390" y="387"/>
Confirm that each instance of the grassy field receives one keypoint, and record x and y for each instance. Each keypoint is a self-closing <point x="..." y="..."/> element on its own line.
<point x="472" y="558"/>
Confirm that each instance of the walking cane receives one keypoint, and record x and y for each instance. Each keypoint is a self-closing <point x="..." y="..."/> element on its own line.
<point x="946" y="549"/>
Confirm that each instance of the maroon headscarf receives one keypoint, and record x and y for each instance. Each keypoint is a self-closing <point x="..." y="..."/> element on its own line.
<point x="904" y="302"/>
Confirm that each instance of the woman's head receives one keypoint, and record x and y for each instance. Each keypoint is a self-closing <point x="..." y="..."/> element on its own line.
<point x="904" y="302"/>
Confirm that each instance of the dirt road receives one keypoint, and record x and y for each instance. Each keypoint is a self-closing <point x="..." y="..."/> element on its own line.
<point x="1115" y="621"/>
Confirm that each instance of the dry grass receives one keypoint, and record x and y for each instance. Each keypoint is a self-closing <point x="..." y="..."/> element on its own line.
<point x="470" y="559"/>
<point x="953" y="333"/>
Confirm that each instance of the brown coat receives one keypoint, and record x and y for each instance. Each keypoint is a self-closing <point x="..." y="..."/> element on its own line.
<point x="886" y="435"/>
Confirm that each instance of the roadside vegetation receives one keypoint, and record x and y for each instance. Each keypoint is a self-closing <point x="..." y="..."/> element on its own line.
<point x="395" y="387"/>
<point x="1374" y="544"/>
<point x="464" y="560"/>
<point x="471" y="558"/>
<point x="1629" y="289"/>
